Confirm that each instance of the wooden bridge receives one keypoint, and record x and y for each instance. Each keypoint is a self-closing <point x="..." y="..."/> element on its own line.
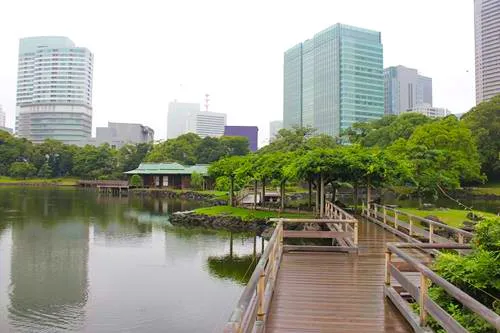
<point x="362" y="281"/>
<point x="113" y="187"/>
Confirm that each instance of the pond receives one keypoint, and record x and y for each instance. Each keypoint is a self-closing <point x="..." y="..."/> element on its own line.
<point x="71" y="260"/>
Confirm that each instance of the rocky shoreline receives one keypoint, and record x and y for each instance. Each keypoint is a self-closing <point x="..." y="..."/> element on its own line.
<point x="188" y="195"/>
<point x="229" y="223"/>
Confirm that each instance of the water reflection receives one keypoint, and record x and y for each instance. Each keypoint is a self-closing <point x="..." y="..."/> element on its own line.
<point x="75" y="261"/>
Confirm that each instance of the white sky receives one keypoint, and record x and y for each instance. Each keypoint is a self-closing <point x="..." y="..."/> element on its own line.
<point x="148" y="53"/>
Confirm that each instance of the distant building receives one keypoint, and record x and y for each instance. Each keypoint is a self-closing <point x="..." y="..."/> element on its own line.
<point x="334" y="80"/>
<point x="487" y="28"/>
<point x="178" y="118"/>
<point x="54" y="90"/>
<point x="250" y="132"/>
<point x="430" y="111"/>
<point x="119" y="134"/>
<point x="274" y="128"/>
<point x="404" y="89"/>
<point x="205" y="123"/>
<point x="2" y="117"/>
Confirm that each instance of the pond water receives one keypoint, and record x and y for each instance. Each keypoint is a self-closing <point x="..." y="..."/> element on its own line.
<point x="71" y="260"/>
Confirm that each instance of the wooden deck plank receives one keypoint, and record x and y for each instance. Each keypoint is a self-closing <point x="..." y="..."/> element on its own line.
<point x="336" y="292"/>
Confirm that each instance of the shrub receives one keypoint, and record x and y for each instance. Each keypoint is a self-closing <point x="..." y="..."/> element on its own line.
<point x="196" y="181"/>
<point x="136" y="181"/>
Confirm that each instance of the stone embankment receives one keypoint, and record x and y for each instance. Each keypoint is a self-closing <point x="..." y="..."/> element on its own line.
<point x="188" y="195"/>
<point x="230" y="223"/>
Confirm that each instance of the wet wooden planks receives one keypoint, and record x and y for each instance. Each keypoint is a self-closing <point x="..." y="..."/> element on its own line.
<point x="334" y="292"/>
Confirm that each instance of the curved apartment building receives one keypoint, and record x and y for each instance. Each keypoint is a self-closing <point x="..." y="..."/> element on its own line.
<point x="54" y="90"/>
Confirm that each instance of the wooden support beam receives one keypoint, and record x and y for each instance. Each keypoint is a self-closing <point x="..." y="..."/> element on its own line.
<point x="315" y="234"/>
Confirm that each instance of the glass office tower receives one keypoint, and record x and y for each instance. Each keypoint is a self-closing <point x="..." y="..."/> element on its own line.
<point x="334" y="80"/>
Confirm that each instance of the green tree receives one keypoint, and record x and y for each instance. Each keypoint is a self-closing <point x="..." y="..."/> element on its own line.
<point x="235" y="145"/>
<point x="22" y="170"/>
<point x="197" y="181"/>
<point x="96" y="162"/>
<point x="45" y="171"/>
<point x="227" y="167"/>
<point x="210" y="150"/>
<point x="130" y="156"/>
<point x="181" y="149"/>
<point x="289" y="140"/>
<point x="484" y="123"/>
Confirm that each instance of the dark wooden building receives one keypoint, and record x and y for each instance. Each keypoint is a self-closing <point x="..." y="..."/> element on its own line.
<point x="168" y="175"/>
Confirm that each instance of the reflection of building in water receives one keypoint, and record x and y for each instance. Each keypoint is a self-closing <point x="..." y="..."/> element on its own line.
<point x="127" y="232"/>
<point x="49" y="275"/>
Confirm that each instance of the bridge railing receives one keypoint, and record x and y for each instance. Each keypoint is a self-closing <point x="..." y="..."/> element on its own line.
<point x="95" y="183"/>
<point x="419" y="290"/>
<point x="412" y="226"/>
<point x="252" y="308"/>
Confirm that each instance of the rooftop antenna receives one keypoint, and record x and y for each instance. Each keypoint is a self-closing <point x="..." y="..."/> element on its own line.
<point x="207" y="99"/>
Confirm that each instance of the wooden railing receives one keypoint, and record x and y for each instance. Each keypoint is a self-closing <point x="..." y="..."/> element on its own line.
<point x="418" y="290"/>
<point x="411" y="229"/>
<point x="251" y="311"/>
<point x="253" y="306"/>
<point x="96" y="183"/>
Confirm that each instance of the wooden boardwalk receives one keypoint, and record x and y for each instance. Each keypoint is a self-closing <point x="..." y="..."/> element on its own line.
<point x="336" y="292"/>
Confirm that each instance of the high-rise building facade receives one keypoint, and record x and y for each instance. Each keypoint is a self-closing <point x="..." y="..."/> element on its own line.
<point x="206" y="123"/>
<point x="119" y="134"/>
<point x="274" y="128"/>
<point x="54" y="90"/>
<point x="178" y="118"/>
<point x="430" y="111"/>
<point x="249" y="132"/>
<point x="2" y="117"/>
<point x="487" y="38"/>
<point x="405" y="89"/>
<point x="334" y="80"/>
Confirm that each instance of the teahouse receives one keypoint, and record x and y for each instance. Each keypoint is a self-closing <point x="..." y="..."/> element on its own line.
<point x="170" y="175"/>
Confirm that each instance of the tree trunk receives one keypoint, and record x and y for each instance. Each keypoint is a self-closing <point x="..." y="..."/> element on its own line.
<point x="355" y="197"/>
<point x="255" y="194"/>
<point x="368" y="191"/>
<point x="263" y="199"/>
<point x="318" y="194"/>
<point x="231" y="245"/>
<point x="282" y="195"/>
<point x="231" y="192"/>
<point x="322" y="198"/>
<point x="310" y="194"/>
<point x="334" y="194"/>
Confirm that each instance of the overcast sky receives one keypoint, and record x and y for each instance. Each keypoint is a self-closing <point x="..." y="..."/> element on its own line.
<point x="147" y="53"/>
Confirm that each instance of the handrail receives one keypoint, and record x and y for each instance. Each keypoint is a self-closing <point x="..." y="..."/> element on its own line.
<point x="253" y="298"/>
<point x="426" y="304"/>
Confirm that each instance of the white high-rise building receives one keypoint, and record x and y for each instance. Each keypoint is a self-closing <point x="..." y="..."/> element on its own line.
<point x="54" y="90"/>
<point x="274" y="128"/>
<point x="430" y="111"/>
<point x="487" y="37"/>
<point x="2" y="117"/>
<point x="205" y="123"/>
<point x="178" y="118"/>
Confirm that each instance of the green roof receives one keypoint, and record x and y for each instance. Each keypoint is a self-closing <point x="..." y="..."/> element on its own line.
<point x="168" y="169"/>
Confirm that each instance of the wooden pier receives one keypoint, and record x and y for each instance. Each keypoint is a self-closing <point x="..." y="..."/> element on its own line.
<point x="363" y="282"/>
<point x="111" y="187"/>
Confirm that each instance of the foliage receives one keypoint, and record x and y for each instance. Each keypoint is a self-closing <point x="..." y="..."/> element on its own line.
<point x="453" y="217"/>
<point x="484" y="123"/>
<point x="477" y="274"/>
<point x="247" y="214"/>
<point x="22" y="170"/>
<point x="130" y="156"/>
<point x="385" y="131"/>
<point x="136" y="181"/>
<point x="196" y="181"/>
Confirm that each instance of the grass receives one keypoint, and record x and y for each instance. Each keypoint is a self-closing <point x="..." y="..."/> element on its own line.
<point x="220" y="195"/>
<point x="247" y="214"/>
<point x="492" y="188"/>
<point x="452" y="217"/>
<point x="39" y="181"/>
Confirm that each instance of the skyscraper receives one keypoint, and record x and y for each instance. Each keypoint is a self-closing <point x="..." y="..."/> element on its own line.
<point x="54" y="90"/>
<point x="178" y="118"/>
<point x="2" y="117"/>
<point x="405" y="89"/>
<point x="274" y="127"/>
<point x="334" y="80"/>
<point x="487" y="37"/>
<point x="206" y="123"/>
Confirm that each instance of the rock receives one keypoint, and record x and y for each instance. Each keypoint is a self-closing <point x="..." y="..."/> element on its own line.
<point x="230" y="223"/>
<point x="428" y="206"/>
<point x="469" y="226"/>
<point x="474" y="217"/>
<point x="433" y="218"/>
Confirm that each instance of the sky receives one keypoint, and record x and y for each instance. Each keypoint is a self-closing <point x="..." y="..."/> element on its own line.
<point x="148" y="53"/>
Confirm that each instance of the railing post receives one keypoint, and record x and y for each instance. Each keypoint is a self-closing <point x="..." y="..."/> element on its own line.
<point x="260" y="296"/>
<point x="396" y="220"/>
<point x="411" y="225"/>
<point x="356" y="230"/>
<point x="431" y="232"/>
<point x="422" y="297"/>
<point x="388" y="256"/>
<point x="363" y="208"/>
<point x="385" y="215"/>
<point x="460" y="239"/>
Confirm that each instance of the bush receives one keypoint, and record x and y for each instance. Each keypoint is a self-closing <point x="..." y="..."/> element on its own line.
<point x="136" y="181"/>
<point x="196" y="181"/>
<point x="22" y="170"/>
